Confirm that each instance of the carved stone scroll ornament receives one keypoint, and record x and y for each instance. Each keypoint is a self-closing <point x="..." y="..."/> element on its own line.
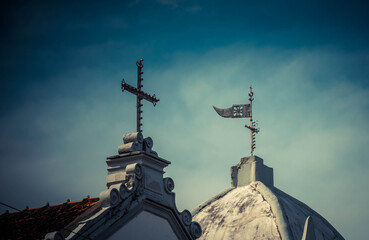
<point x="186" y="217"/>
<point x="124" y="190"/>
<point x="119" y="192"/>
<point x="135" y="142"/>
<point x="134" y="174"/>
<point x="133" y="137"/>
<point x="196" y="230"/>
<point x="168" y="185"/>
<point x="110" y="197"/>
<point x="130" y="147"/>
<point x="148" y="143"/>
<point x="132" y="142"/>
<point x="134" y="170"/>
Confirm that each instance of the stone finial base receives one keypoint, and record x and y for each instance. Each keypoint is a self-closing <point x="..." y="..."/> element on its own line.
<point x="251" y="169"/>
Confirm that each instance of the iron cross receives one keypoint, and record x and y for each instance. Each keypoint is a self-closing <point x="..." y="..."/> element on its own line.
<point x="139" y="93"/>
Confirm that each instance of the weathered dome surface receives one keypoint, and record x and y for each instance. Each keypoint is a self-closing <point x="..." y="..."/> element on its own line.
<point x="242" y="213"/>
<point x="257" y="210"/>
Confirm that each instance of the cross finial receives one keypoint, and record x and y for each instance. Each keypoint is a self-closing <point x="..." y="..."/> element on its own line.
<point x="139" y="93"/>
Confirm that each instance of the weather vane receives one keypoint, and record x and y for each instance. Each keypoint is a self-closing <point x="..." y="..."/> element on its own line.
<point x="139" y="93"/>
<point x="242" y="111"/>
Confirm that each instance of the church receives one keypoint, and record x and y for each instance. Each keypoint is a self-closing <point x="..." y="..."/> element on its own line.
<point x="139" y="203"/>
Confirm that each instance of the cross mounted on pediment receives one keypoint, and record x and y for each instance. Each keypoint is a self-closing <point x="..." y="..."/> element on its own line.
<point x="139" y="93"/>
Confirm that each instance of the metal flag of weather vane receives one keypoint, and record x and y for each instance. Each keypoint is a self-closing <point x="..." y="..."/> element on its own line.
<point x="139" y="93"/>
<point x="242" y="111"/>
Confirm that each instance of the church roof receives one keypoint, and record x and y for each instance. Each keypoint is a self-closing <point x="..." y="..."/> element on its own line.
<point x="254" y="209"/>
<point x="34" y="223"/>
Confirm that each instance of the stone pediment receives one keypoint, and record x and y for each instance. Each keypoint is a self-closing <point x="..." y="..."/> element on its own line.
<point x="138" y="201"/>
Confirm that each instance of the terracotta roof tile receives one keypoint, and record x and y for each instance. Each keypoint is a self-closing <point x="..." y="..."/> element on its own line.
<point x="36" y="222"/>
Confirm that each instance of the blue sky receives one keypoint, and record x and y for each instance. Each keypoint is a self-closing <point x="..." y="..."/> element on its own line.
<point x="63" y="113"/>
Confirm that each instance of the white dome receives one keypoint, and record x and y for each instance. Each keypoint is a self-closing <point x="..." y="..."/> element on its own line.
<point x="258" y="211"/>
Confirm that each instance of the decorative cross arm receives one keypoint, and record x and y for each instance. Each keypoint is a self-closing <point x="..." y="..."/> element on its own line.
<point x="139" y="93"/>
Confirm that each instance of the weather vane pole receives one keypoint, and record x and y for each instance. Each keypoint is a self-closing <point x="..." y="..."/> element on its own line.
<point x="252" y="127"/>
<point x="139" y="93"/>
<point x="242" y="111"/>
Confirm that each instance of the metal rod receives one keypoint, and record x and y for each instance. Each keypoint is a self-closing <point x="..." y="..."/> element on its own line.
<point x="252" y="127"/>
<point x="139" y="97"/>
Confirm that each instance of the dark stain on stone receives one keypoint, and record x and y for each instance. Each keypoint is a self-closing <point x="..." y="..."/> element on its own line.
<point x="242" y="208"/>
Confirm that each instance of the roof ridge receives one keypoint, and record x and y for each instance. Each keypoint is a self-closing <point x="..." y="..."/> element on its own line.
<point x="277" y="208"/>
<point x="47" y="205"/>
